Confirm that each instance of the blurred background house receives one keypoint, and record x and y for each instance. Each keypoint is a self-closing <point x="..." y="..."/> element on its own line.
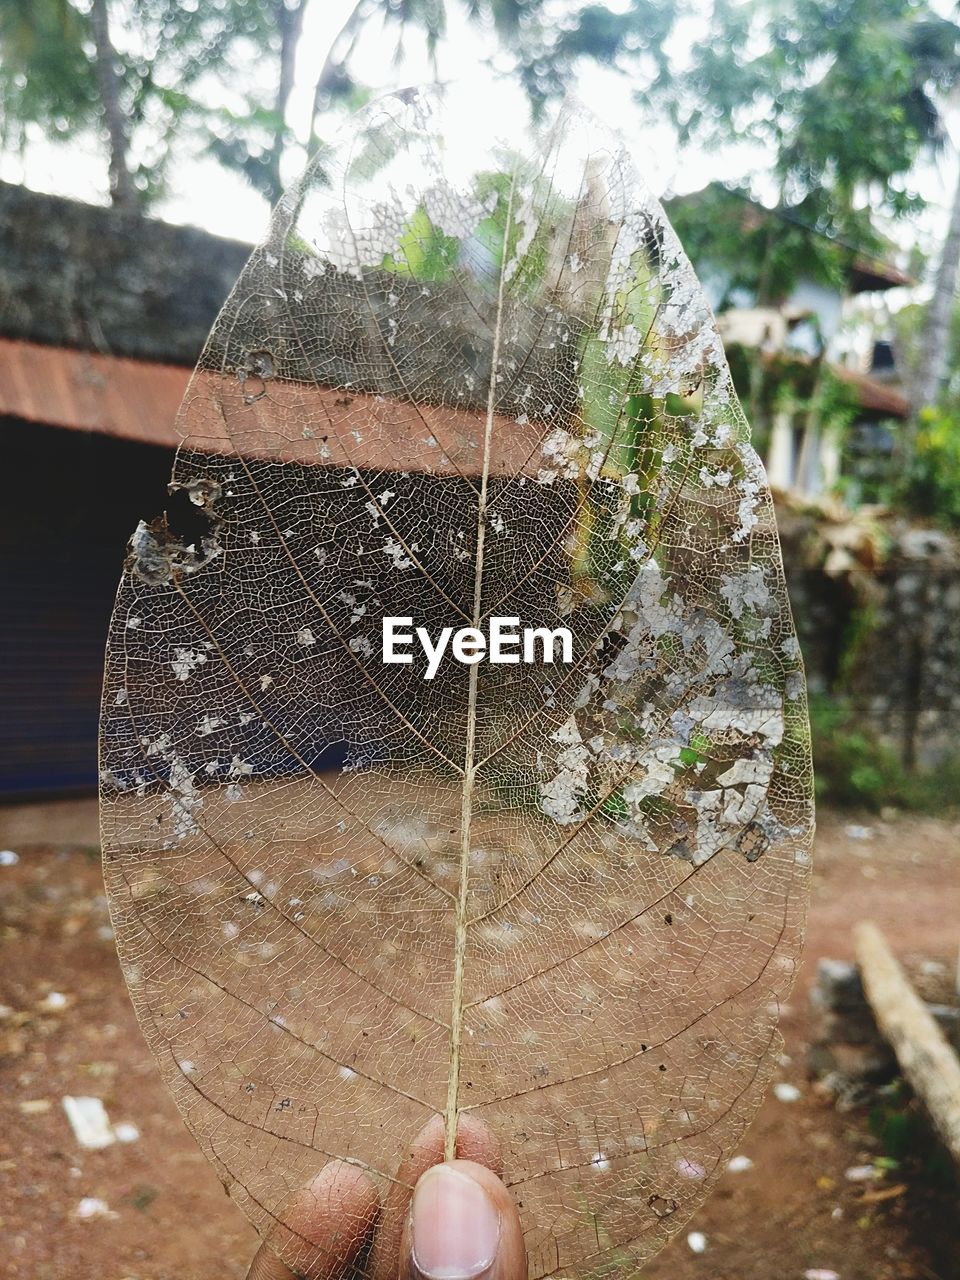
<point x="102" y="318"/>
<point x="786" y="296"/>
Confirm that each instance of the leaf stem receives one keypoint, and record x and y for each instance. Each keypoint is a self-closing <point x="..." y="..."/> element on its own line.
<point x="466" y="805"/>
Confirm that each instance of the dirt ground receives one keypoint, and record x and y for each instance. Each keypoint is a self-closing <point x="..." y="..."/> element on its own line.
<point x="151" y="1208"/>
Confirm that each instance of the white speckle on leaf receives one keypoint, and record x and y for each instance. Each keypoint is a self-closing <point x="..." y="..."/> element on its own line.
<point x="720" y="478"/>
<point x="185" y="800"/>
<point x="749" y="771"/>
<point x="397" y="554"/>
<point x="185" y="661"/>
<point x="747" y="590"/>
<point x="560" y="797"/>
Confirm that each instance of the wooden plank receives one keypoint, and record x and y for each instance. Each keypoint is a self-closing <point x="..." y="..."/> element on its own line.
<point x="926" y="1059"/>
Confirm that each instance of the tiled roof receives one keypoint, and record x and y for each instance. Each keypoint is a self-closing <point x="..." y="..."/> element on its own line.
<point x="874" y="395"/>
<point x="292" y="421"/>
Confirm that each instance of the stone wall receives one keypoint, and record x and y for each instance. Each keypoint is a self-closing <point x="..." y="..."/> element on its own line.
<point x="877" y="606"/>
<point x="79" y="275"/>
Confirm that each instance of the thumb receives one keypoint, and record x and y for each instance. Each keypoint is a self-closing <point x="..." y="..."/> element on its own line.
<point x="462" y="1225"/>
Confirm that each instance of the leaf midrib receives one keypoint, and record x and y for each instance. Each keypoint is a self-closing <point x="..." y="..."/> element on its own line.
<point x="469" y="767"/>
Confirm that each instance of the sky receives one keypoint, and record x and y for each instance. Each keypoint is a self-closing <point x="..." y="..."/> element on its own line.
<point x="203" y="194"/>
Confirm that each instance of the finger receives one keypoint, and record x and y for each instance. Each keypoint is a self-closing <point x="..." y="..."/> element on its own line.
<point x="462" y="1225"/>
<point x="474" y="1142"/>
<point x="325" y="1230"/>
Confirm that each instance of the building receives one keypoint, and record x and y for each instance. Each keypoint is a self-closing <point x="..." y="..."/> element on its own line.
<point x="102" y="318"/>
<point x="783" y="295"/>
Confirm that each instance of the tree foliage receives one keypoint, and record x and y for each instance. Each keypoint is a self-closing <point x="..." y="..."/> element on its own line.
<point x="764" y="251"/>
<point x="44" y="68"/>
<point x="846" y="95"/>
<point x="49" y="73"/>
<point x="167" y="56"/>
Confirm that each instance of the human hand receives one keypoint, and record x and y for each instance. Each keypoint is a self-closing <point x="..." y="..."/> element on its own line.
<point x="457" y="1223"/>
